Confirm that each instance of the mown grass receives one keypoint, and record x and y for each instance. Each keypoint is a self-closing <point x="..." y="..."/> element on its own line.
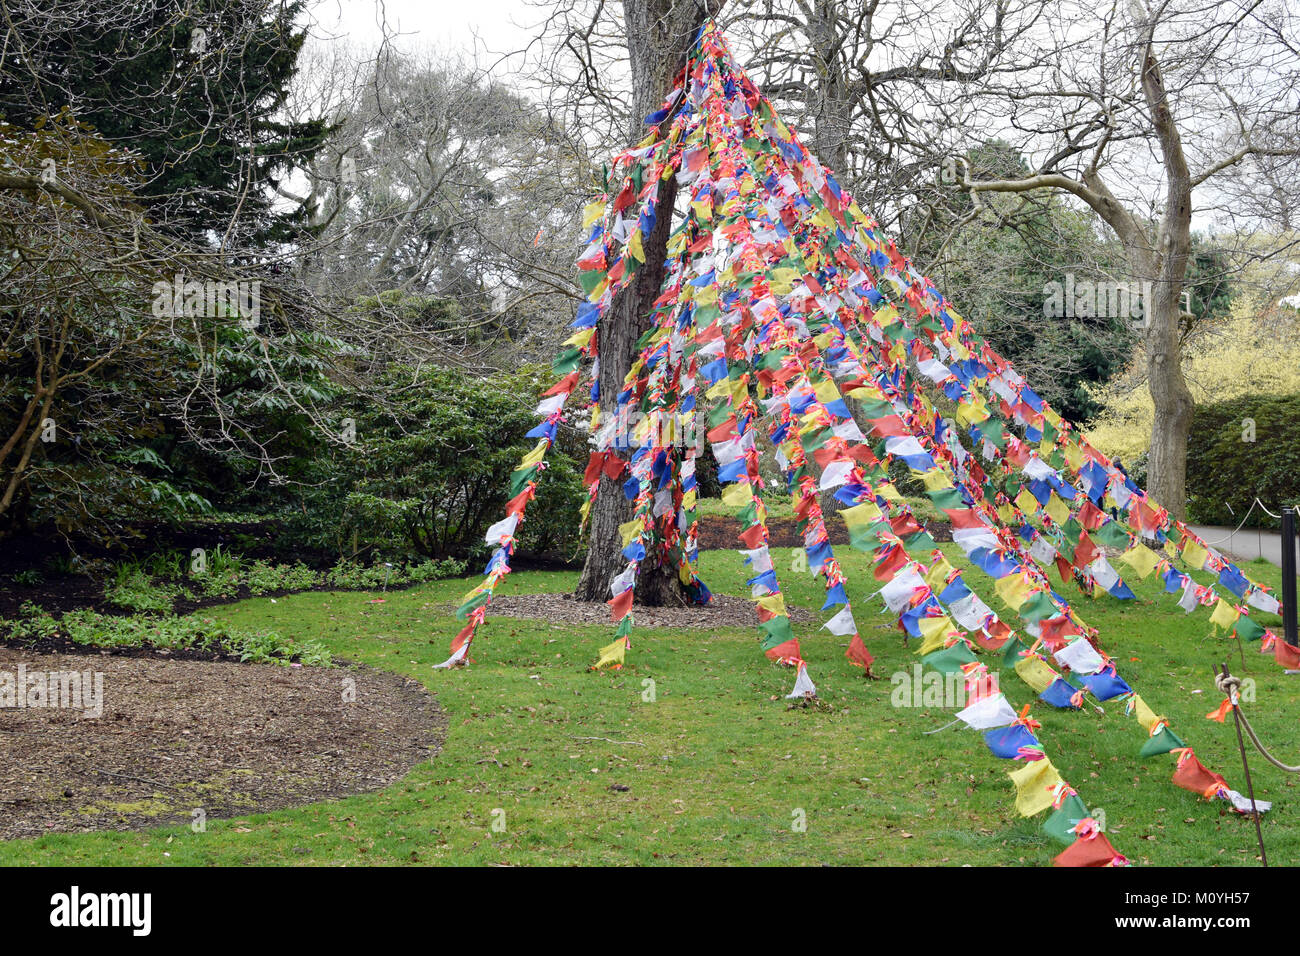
<point x="719" y="768"/>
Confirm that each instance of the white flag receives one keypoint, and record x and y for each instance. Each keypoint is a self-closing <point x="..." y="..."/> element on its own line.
<point x="456" y="658"/>
<point x="1103" y="573"/>
<point x="505" y="528"/>
<point x="836" y="474"/>
<point x="988" y="712"/>
<point x="1080" y="657"/>
<point x="842" y="624"/>
<point x="760" y="559"/>
<point x="899" y="590"/>
<point x="970" y="612"/>
<point x="549" y="406"/>
<point x="1264" y="601"/>
<point x="803" y="685"/>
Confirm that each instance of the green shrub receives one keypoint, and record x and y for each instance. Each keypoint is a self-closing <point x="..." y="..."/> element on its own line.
<point x="430" y="471"/>
<point x="1226" y="472"/>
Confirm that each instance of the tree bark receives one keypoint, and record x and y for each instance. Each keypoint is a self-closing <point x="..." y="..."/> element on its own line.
<point x="659" y="36"/>
<point x="1172" y="399"/>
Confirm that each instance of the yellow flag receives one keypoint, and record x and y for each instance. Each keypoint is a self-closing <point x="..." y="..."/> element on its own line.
<point x="581" y="337"/>
<point x="1194" y="555"/>
<point x="634" y="247"/>
<point x="739" y="390"/>
<point x="781" y="281"/>
<point x="536" y="455"/>
<point x="937" y="574"/>
<point x="629" y="530"/>
<point x="688" y="500"/>
<point x="934" y="633"/>
<point x="887" y="491"/>
<point x="1035" y="782"/>
<point x="1141" y="559"/>
<point x="1006" y="514"/>
<point x="1225" y="615"/>
<point x="935" y="480"/>
<point x="591" y="212"/>
<point x="1035" y="672"/>
<point x="1026" y="502"/>
<point x="1014" y="589"/>
<point x="1145" y="715"/>
<point x="611" y="654"/>
<point x="826" y="391"/>
<point x="860" y="516"/>
<point x="719" y="388"/>
<point x="774" y="603"/>
<point x="1057" y="509"/>
<point x="737" y="495"/>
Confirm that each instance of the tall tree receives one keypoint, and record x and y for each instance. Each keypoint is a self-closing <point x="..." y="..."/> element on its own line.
<point x="659" y="38"/>
<point x="1151" y="116"/>
<point x="194" y="89"/>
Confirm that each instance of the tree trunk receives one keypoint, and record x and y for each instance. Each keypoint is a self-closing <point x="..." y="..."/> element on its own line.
<point x="1174" y="405"/>
<point x="659" y="36"/>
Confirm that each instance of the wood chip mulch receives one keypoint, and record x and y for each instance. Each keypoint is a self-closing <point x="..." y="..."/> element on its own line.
<point x="225" y="738"/>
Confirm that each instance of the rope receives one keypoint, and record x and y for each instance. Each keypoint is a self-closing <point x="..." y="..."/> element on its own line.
<point x="1229" y="685"/>
<point x="1265" y="510"/>
<point x="1243" y="521"/>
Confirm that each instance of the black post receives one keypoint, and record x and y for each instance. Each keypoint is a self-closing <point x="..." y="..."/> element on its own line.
<point x="1288" y="577"/>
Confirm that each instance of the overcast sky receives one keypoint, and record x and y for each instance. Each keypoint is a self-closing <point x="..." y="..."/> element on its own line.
<point x="501" y="25"/>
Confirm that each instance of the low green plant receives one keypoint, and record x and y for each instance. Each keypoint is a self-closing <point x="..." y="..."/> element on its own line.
<point x="91" y="629"/>
<point x="264" y="577"/>
<point x="134" y="590"/>
<point x="29" y="577"/>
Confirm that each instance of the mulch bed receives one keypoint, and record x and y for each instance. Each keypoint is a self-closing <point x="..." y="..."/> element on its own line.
<point x="723" y="611"/>
<point x="179" y="735"/>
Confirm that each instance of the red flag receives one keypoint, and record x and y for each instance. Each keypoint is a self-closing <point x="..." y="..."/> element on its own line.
<point x="621" y="605"/>
<point x="520" y="501"/>
<point x="892" y="558"/>
<point x="563" y="385"/>
<point x="787" y="651"/>
<point x="1193" y="775"/>
<point x="891" y="426"/>
<point x="1093" y="850"/>
<point x="1085" y="552"/>
<point x="858" y="653"/>
<point x="463" y="637"/>
<point x="595" y="465"/>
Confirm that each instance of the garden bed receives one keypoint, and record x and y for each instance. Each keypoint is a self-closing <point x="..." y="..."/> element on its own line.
<point x="228" y="739"/>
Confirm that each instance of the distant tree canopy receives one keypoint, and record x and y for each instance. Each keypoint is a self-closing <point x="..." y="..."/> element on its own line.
<point x="195" y="94"/>
<point x="1000" y="258"/>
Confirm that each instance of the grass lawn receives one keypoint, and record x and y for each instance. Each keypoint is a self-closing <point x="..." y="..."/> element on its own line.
<point x="717" y="768"/>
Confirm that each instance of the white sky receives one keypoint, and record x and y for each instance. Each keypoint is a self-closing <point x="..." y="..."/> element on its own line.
<point x="501" y="25"/>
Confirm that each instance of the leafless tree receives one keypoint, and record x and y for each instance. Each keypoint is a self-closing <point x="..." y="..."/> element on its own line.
<point x="1156" y="118"/>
